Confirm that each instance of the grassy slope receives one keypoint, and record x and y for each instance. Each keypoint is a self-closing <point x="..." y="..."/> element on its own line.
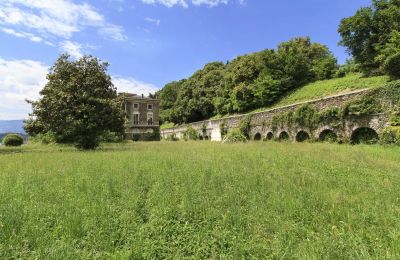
<point x="331" y="87"/>
<point x="325" y="88"/>
<point x="206" y="200"/>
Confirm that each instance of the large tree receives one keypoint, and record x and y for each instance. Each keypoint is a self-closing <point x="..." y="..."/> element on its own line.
<point x="79" y="103"/>
<point x="370" y="33"/>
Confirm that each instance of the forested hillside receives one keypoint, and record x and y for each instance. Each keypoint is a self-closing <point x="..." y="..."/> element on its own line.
<point x="247" y="82"/>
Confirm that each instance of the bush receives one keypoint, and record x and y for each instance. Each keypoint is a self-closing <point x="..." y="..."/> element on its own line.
<point x="111" y="137"/>
<point x="235" y="136"/>
<point x="13" y="140"/>
<point x="223" y="129"/>
<point x="392" y="66"/>
<point x="191" y="134"/>
<point x="390" y="135"/>
<point x="245" y="125"/>
<point x="147" y="137"/>
<point x="46" y="138"/>
<point x="306" y="116"/>
<point x="172" y="137"/>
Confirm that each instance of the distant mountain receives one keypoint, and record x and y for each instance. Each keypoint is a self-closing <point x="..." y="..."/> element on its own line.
<point x="11" y="126"/>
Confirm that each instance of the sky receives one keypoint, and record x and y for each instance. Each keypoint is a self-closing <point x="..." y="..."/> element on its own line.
<point x="149" y="43"/>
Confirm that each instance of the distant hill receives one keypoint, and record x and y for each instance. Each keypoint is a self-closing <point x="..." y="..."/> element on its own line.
<point x="11" y="126"/>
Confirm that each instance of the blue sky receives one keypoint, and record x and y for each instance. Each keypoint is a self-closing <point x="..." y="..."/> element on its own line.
<point x="149" y="42"/>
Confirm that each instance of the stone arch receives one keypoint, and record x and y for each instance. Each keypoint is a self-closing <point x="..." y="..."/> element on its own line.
<point x="257" y="137"/>
<point x="302" y="136"/>
<point x="206" y="138"/>
<point x="328" y="135"/>
<point x="365" y="135"/>
<point x="284" y="136"/>
<point x="270" y="136"/>
<point x="201" y="138"/>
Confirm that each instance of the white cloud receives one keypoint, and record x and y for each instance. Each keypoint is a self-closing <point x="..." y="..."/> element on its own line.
<point x="153" y="20"/>
<point x="168" y="3"/>
<point x="23" y="79"/>
<point x="60" y="18"/>
<point x="131" y="85"/>
<point x="19" y="80"/>
<point x="72" y="48"/>
<point x="114" y="32"/>
<point x="185" y="3"/>
<point x="30" y="36"/>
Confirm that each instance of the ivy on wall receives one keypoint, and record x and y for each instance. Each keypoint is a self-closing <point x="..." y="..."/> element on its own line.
<point x="381" y="100"/>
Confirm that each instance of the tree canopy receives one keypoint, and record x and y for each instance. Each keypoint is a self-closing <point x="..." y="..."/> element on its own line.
<point x="372" y="37"/>
<point x="79" y="103"/>
<point x="247" y="82"/>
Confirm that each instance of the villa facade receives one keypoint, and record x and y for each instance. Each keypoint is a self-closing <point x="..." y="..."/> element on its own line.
<point x="142" y="115"/>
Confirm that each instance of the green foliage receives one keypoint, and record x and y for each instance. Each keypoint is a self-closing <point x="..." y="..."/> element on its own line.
<point x="392" y="66"/>
<point x="331" y="87"/>
<point x="282" y="120"/>
<point x="379" y="100"/>
<point x="146" y="137"/>
<point x="332" y="116"/>
<point x="172" y="137"/>
<point x="245" y="125"/>
<point x="79" y="103"/>
<point x="394" y="118"/>
<point x="247" y="82"/>
<point x="111" y="137"/>
<point x="235" y="135"/>
<point x="13" y="140"/>
<point x="44" y="138"/>
<point x="306" y="116"/>
<point x="366" y="105"/>
<point x="168" y="96"/>
<point x="349" y="68"/>
<point x="371" y="37"/>
<point x="191" y="133"/>
<point x="223" y="128"/>
<point x="390" y="135"/>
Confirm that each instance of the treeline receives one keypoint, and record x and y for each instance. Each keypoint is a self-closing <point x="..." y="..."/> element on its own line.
<point x="371" y="36"/>
<point x="247" y="82"/>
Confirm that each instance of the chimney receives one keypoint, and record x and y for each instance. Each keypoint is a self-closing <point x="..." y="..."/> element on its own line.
<point x="142" y="96"/>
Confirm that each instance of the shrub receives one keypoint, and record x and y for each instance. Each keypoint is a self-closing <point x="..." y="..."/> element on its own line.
<point x="111" y="137"/>
<point x="392" y="66"/>
<point x="366" y="105"/>
<point x="171" y="137"/>
<point x="13" y="140"/>
<point x="235" y="136"/>
<point x="191" y="133"/>
<point x="244" y="126"/>
<point x="46" y="138"/>
<point x="147" y="137"/>
<point x="390" y="135"/>
<point x="223" y="129"/>
<point x="306" y="116"/>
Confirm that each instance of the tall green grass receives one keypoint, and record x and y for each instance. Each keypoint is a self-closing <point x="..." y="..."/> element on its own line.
<point x="200" y="200"/>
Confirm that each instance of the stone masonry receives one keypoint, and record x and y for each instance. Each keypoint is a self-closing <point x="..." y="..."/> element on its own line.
<point x="260" y="122"/>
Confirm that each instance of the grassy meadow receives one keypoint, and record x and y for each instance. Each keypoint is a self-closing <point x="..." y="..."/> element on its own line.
<point x="200" y="200"/>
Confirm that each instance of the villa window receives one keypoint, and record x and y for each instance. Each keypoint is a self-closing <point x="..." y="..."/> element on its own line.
<point x="136" y="118"/>
<point x="149" y="106"/>
<point x="150" y="118"/>
<point x="135" y="106"/>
